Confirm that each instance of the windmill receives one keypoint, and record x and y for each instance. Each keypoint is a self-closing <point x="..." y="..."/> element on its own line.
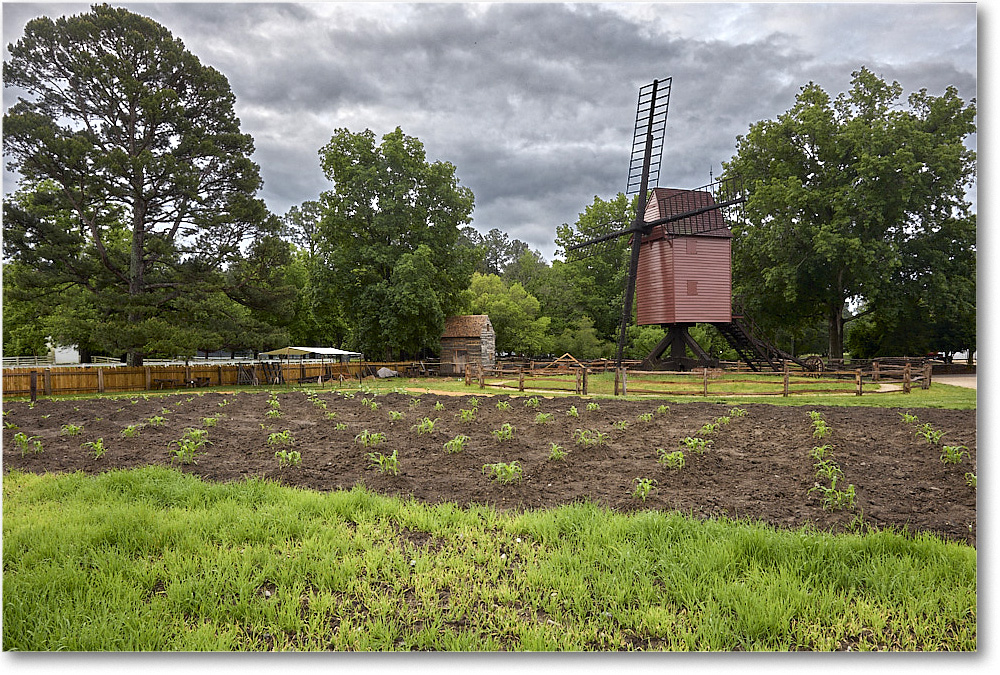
<point x="679" y="258"/>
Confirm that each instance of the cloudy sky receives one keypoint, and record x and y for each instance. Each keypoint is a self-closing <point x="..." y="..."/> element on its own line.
<point x="535" y="103"/>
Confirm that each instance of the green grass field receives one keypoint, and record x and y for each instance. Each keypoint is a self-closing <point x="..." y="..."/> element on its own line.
<point x="152" y="559"/>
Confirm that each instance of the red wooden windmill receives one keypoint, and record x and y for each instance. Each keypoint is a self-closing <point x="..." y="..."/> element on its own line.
<point x="679" y="265"/>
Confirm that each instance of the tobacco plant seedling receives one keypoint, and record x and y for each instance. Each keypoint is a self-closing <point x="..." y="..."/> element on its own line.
<point x="273" y="413"/>
<point x="572" y="412"/>
<point x="620" y="425"/>
<point x="210" y="421"/>
<point x="319" y="403"/>
<point x="157" y="421"/>
<point x="815" y="416"/>
<point x="672" y="460"/>
<point x="10" y="425"/>
<point x="25" y="443"/>
<point x="340" y="426"/>
<point x="542" y="418"/>
<point x="737" y="412"/>
<point x="503" y="406"/>
<point x="556" y="452"/>
<point x="708" y="428"/>
<point x="834" y="499"/>
<point x="593" y="406"/>
<point x="96" y="448"/>
<point x="369" y="439"/>
<point x="821" y="430"/>
<point x="288" y="457"/>
<point x="474" y="402"/>
<point x="643" y="486"/>
<point x="385" y="464"/>
<point x="223" y="403"/>
<point x="587" y="438"/>
<point x="646" y="417"/>
<point x="281" y="438"/>
<point x="330" y="415"/>
<point x="395" y="416"/>
<point x="828" y="469"/>
<point x="695" y="444"/>
<point x="456" y="444"/>
<point x="505" y="432"/>
<point x="970" y="479"/>
<point x="70" y="430"/>
<point x="952" y="454"/>
<point x="467" y="415"/>
<point x="503" y="473"/>
<point x="414" y="402"/>
<point x="722" y="420"/>
<point x="426" y="425"/>
<point x="532" y="403"/>
<point x="662" y="409"/>
<point x="908" y="418"/>
<point x="439" y="406"/>
<point x="131" y="431"/>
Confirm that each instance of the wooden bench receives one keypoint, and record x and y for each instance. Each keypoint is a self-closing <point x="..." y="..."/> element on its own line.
<point x="162" y="383"/>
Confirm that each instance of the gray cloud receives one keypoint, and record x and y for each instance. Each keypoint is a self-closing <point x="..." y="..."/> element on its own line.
<point x="534" y="104"/>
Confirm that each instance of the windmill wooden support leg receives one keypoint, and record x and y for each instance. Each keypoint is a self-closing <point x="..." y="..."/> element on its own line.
<point x="677" y="340"/>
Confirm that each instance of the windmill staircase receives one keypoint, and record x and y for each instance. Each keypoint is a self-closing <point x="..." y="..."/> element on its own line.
<point x="746" y="338"/>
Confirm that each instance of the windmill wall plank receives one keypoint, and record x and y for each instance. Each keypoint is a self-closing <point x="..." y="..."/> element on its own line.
<point x="666" y="266"/>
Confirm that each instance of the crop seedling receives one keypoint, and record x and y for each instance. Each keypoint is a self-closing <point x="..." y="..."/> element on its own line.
<point x="340" y="426"/>
<point x="556" y="452"/>
<point x="819" y="453"/>
<point x="722" y="420"/>
<point x="708" y="428"/>
<point x="593" y="406"/>
<point x="7" y="424"/>
<point x="737" y="412"/>
<point x="930" y="434"/>
<point x="425" y="426"/>
<point x="369" y="439"/>
<point x="395" y="416"/>
<point x="27" y="443"/>
<point x="502" y="472"/>
<point x="695" y="444"/>
<point x="96" y="448"/>
<point x="371" y="403"/>
<point x="503" y="406"/>
<point x="70" y="430"/>
<point x="288" y="457"/>
<point x="439" y="406"/>
<point x="820" y="430"/>
<point x="223" y="403"/>
<point x="505" y="432"/>
<point x="414" y="402"/>
<point x="970" y="479"/>
<point x="319" y="403"/>
<point x="908" y="418"/>
<point x="672" y="460"/>
<point x="385" y="464"/>
<point x="456" y="444"/>
<point x="281" y="438"/>
<point x="952" y="454"/>
<point x="643" y="486"/>
<point x="827" y="468"/>
<point x="273" y="413"/>
<point x="587" y="438"/>
<point x="662" y="409"/>
<point x="620" y="425"/>
<point x="467" y="415"/>
<point x="834" y="499"/>
<point x="815" y="416"/>
<point x="572" y="412"/>
<point x="542" y="418"/>
<point x="210" y="421"/>
<point x="646" y="417"/>
<point x="532" y="403"/>
<point x="157" y="421"/>
<point x="474" y="403"/>
<point x="131" y="431"/>
<point x="330" y="415"/>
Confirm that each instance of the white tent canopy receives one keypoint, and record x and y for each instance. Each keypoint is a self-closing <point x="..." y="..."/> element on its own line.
<point x="304" y="351"/>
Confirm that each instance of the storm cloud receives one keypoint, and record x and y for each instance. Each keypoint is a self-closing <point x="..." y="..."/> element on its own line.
<point x="535" y="103"/>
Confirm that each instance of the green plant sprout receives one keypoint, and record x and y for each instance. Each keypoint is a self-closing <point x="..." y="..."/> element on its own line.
<point x="131" y="431"/>
<point x="708" y="428"/>
<point x="695" y="444"/>
<point x="456" y="444"/>
<point x="281" y="438"/>
<point x="970" y="479"/>
<point x="414" y="402"/>
<point x="210" y="421"/>
<point x="505" y="432"/>
<point x="385" y="464"/>
<point x="369" y="439"/>
<point x="425" y="426"/>
<point x="503" y="406"/>
<point x="908" y="418"/>
<point x="27" y="443"/>
<point x="834" y="499"/>
<point x="819" y="452"/>
<point x="662" y="409"/>
<point x="467" y="415"/>
<point x="556" y="452"/>
<point x="572" y="412"/>
<point x="395" y="416"/>
<point x="70" y="430"/>
<point x="620" y="425"/>
<point x="531" y="402"/>
<point x="672" y="460"/>
<point x="273" y="413"/>
<point x="645" y="417"/>
<point x="340" y="426"/>
<point x="952" y="454"/>
<point x="587" y="438"/>
<point x="930" y="434"/>
<point x="828" y="469"/>
<point x="330" y="415"/>
<point x="288" y="457"/>
<point x="643" y="486"/>
<point x="593" y="406"/>
<point x="738" y="412"/>
<point x="503" y="473"/>
<point x="439" y="406"/>
<point x="96" y="448"/>
<point x="542" y="418"/>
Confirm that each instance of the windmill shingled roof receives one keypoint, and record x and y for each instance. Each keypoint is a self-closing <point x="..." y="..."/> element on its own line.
<point x="469" y="325"/>
<point x="674" y="201"/>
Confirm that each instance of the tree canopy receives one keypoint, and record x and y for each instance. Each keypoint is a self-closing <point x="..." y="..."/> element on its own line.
<point x="137" y="184"/>
<point x="389" y="238"/>
<point x="849" y="202"/>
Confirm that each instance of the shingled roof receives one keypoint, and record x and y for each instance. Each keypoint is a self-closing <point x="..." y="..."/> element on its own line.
<point x="666" y="202"/>
<point x="469" y="325"/>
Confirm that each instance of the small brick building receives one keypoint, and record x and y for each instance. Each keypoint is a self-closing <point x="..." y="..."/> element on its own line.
<point x="467" y="339"/>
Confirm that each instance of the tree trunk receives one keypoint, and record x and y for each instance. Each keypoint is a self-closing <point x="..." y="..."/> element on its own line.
<point x="836" y="330"/>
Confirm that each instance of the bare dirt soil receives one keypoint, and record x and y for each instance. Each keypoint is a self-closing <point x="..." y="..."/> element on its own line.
<point x="758" y="466"/>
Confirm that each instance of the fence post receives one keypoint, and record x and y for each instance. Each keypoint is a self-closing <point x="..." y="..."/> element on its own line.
<point x="47" y="381"/>
<point x="584" y="381"/>
<point x="857" y="380"/>
<point x="785" y="378"/>
<point x="875" y="373"/>
<point x="220" y="374"/>
<point x="906" y="378"/>
<point x="704" y="381"/>
<point x="520" y="378"/>
<point x="100" y="380"/>
<point x="927" y="376"/>
<point x="33" y="385"/>
<point x="149" y="377"/>
<point x="617" y="378"/>
<point x="624" y="381"/>
<point x="482" y="377"/>
<point x="579" y="382"/>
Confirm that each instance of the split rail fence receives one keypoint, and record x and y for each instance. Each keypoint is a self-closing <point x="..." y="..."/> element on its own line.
<point x="106" y="379"/>
<point x="703" y="382"/>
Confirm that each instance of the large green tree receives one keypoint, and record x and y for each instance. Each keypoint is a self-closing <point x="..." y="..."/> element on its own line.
<point x="389" y="240"/>
<point x="840" y="192"/>
<point x="143" y="190"/>
<point x="514" y="313"/>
